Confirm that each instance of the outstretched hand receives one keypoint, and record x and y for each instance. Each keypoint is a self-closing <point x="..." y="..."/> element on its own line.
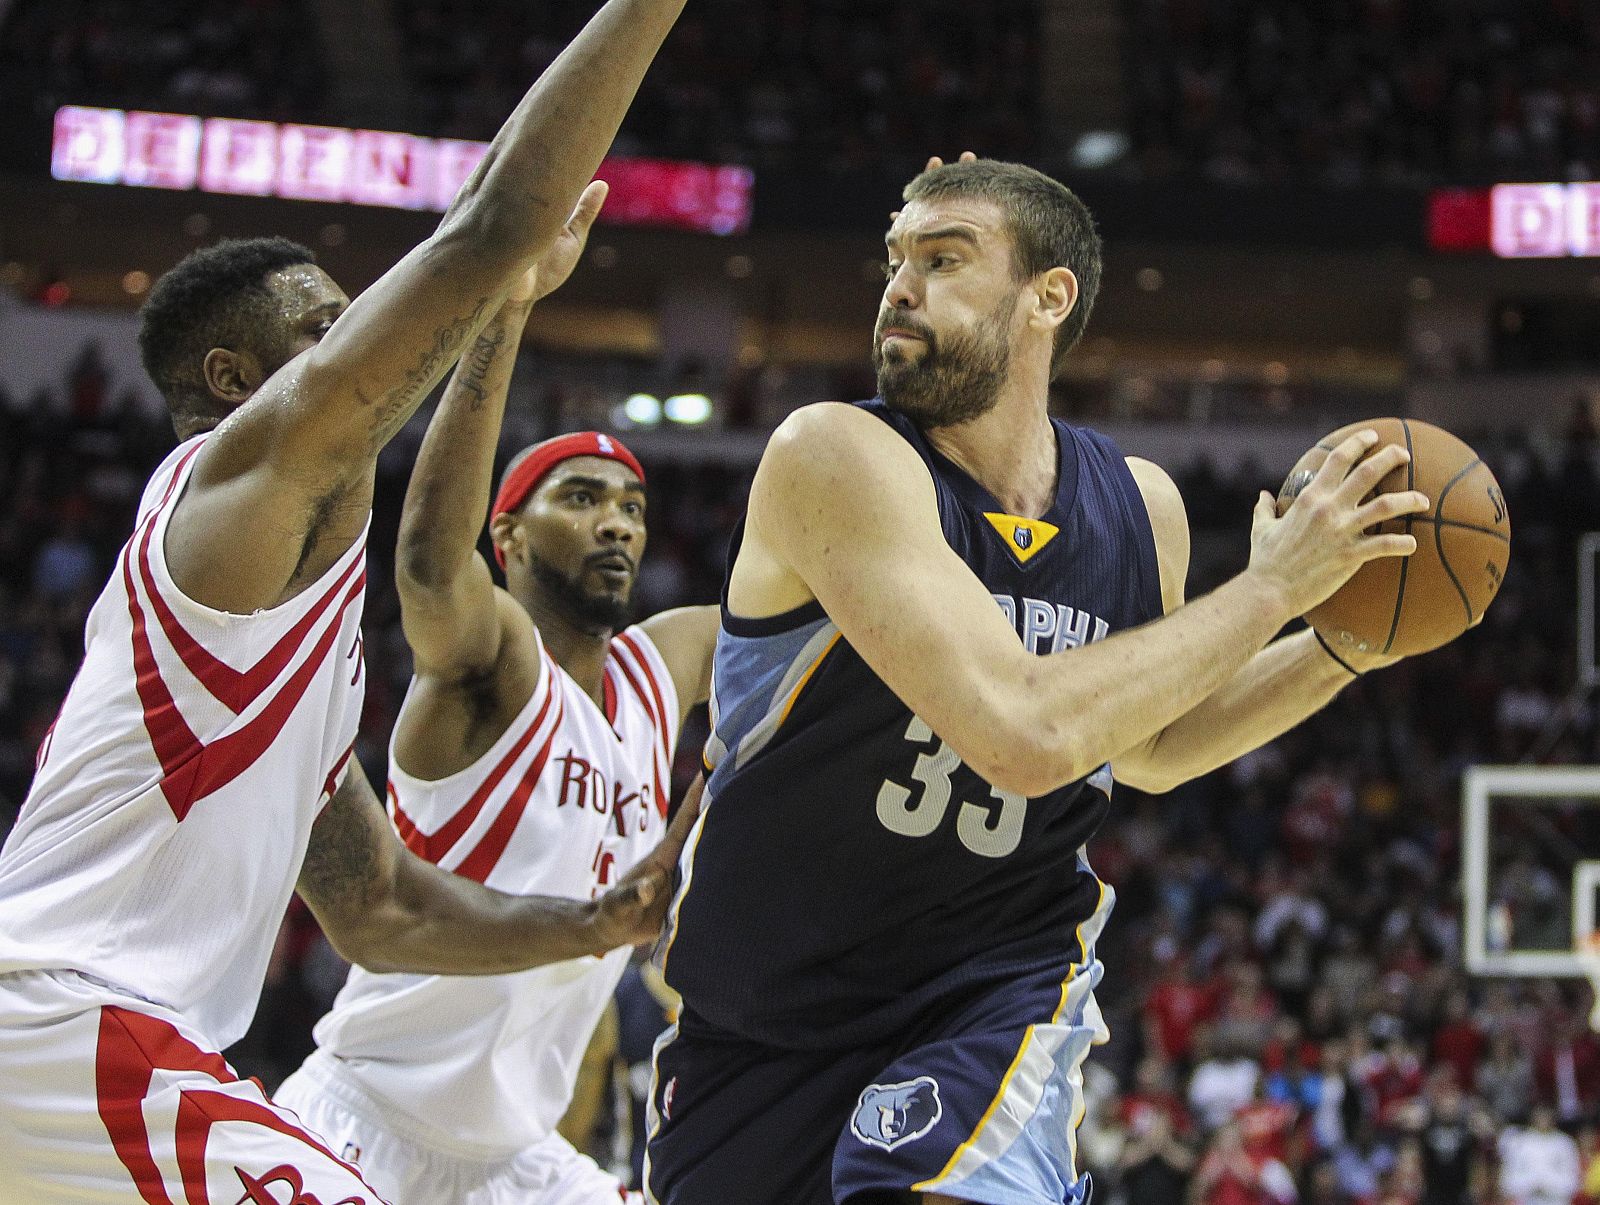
<point x="553" y="268"/>
<point x="633" y="911"/>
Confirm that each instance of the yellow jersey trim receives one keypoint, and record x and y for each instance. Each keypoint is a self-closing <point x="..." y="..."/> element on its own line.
<point x="1025" y="538"/>
<point x="1011" y="1071"/>
<point x="794" y="694"/>
<point x="1083" y="951"/>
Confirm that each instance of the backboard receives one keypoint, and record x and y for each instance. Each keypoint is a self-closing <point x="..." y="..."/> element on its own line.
<point x="1529" y="884"/>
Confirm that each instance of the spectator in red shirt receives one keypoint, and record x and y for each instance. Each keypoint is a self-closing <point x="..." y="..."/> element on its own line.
<point x="1230" y="1175"/>
<point x="1267" y="1124"/>
<point x="1153" y="1093"/>
<point x="1247" y="1012"/>
<point x="1458" y="1043"/>
<point x="1567" y="1070"/>
<point x="1174" y="1008"/>
<point x="1394" y="1079"/>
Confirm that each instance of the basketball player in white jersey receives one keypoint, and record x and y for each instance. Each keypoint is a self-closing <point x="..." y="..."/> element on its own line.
<point x="533" y="753"/>
<point x="210" y="725"/>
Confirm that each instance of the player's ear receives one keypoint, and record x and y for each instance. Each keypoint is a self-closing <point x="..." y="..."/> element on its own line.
<point x="505" y="534"/>
<point x="231" y="376"/>
<point x="1055" y="295"/>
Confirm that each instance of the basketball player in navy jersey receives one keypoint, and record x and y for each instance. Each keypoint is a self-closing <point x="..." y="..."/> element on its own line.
<point x="949" y="624"/>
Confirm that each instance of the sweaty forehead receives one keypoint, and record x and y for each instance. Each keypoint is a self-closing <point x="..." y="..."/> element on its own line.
<point x="303" y="288"/>
<point x="976" y="216"/>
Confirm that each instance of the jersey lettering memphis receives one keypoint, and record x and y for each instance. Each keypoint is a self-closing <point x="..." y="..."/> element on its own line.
<point x="1051" y="627"/>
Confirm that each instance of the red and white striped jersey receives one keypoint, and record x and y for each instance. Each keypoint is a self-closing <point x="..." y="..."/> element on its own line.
<point x="168" y="819"/>
<point x="565" y="802"/>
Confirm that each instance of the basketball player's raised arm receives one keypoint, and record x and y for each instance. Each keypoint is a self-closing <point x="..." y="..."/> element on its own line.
<point x="386" y="909"/>
<point x="448" y="602"/>
<point x="276" y="474"/>
<point x="1289" y="680"/>
<point x="843" y="510"/>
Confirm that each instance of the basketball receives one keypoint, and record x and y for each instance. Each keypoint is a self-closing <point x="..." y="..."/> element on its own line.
<point x="1408" y="605"/>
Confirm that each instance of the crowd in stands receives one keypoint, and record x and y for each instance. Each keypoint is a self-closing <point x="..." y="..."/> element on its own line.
<point x="809" y="84"/>
<point x="1344" y="92"/>
<point x="1290" y="1019"/>
<point x="218" y="58"/>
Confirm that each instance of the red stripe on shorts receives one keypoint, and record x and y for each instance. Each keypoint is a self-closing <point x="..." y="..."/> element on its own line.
<point x="132" y="1048"/>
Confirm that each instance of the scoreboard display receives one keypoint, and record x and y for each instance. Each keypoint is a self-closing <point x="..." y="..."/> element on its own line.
<point x="362" y="167"/>
<point x="1517" y="221"/>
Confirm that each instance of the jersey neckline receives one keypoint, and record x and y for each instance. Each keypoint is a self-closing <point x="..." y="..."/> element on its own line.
<point x="973" y="493"/>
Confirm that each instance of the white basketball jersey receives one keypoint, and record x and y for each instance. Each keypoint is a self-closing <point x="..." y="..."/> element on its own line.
<point x="563" y="804"/>
<point x="168" y="819"/>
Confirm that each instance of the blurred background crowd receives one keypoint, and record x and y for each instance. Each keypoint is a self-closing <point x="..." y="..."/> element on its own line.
<point x="1290" y="1017"/>
<point x="1340" y="92"/>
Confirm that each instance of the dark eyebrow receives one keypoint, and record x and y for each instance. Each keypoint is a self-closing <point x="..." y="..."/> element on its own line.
<point x="960" y="233"/>
<point x="598" y="484"/>
<point x="327" y="307"/>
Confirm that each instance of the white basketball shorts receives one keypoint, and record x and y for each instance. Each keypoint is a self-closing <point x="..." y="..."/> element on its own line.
<point x="407" y="1169"/>
<point x="104" y="1098"/>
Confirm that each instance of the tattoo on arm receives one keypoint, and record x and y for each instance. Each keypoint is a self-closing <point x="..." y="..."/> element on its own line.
<point x="344" y="864"/>
<point x="476" y="363"/>
<point x="400" y="401"/>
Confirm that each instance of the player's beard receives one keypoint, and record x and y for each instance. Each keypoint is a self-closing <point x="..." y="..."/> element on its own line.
<point x="595" y="613"/>
<point x="959" y="376"/>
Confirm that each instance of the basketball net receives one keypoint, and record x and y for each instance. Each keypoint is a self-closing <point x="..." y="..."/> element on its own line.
<point x="1588" y="952"/>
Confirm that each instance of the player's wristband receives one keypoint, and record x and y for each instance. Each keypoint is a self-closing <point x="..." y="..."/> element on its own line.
<point x="1328" y="648"/>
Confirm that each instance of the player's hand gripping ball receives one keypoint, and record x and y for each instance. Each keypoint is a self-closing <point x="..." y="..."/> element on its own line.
<point x="1408" y="605"/>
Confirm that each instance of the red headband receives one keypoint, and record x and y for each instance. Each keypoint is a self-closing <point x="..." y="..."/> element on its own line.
<point x="541" y="458"/>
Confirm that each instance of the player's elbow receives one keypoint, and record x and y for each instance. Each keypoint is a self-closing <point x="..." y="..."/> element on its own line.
<point x="481" y="250"/>
<point x="497" y="229"/>
<point x="373" y="942"/>
<point x="1019" y="778"/>
<point x="353" y="939"/>
<point x="1034" y="759"/>
<point x="1149" y="779"/>
<point x="420" y="565"/>
<point x="375" y="961"/>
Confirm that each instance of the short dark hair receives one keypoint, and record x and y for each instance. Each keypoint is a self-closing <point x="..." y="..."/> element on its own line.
<point x="214" y="297"/>
<point x="1049" y="227"/>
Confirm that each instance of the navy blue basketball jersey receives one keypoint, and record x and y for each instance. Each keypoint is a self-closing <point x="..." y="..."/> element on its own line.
<point x="851" y="872"/>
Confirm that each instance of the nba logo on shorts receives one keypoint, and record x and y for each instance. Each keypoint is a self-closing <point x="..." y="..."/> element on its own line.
<point x="888" y="1115"/>
<point x="1023" y="537"/>
<point x="667" y="1094"/>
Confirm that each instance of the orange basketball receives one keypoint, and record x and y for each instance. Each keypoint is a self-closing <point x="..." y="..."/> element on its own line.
<point x="1412" y="604"/>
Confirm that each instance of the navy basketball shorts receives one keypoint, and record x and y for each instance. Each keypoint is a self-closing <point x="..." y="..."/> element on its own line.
<point x="983" y="1108"/>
